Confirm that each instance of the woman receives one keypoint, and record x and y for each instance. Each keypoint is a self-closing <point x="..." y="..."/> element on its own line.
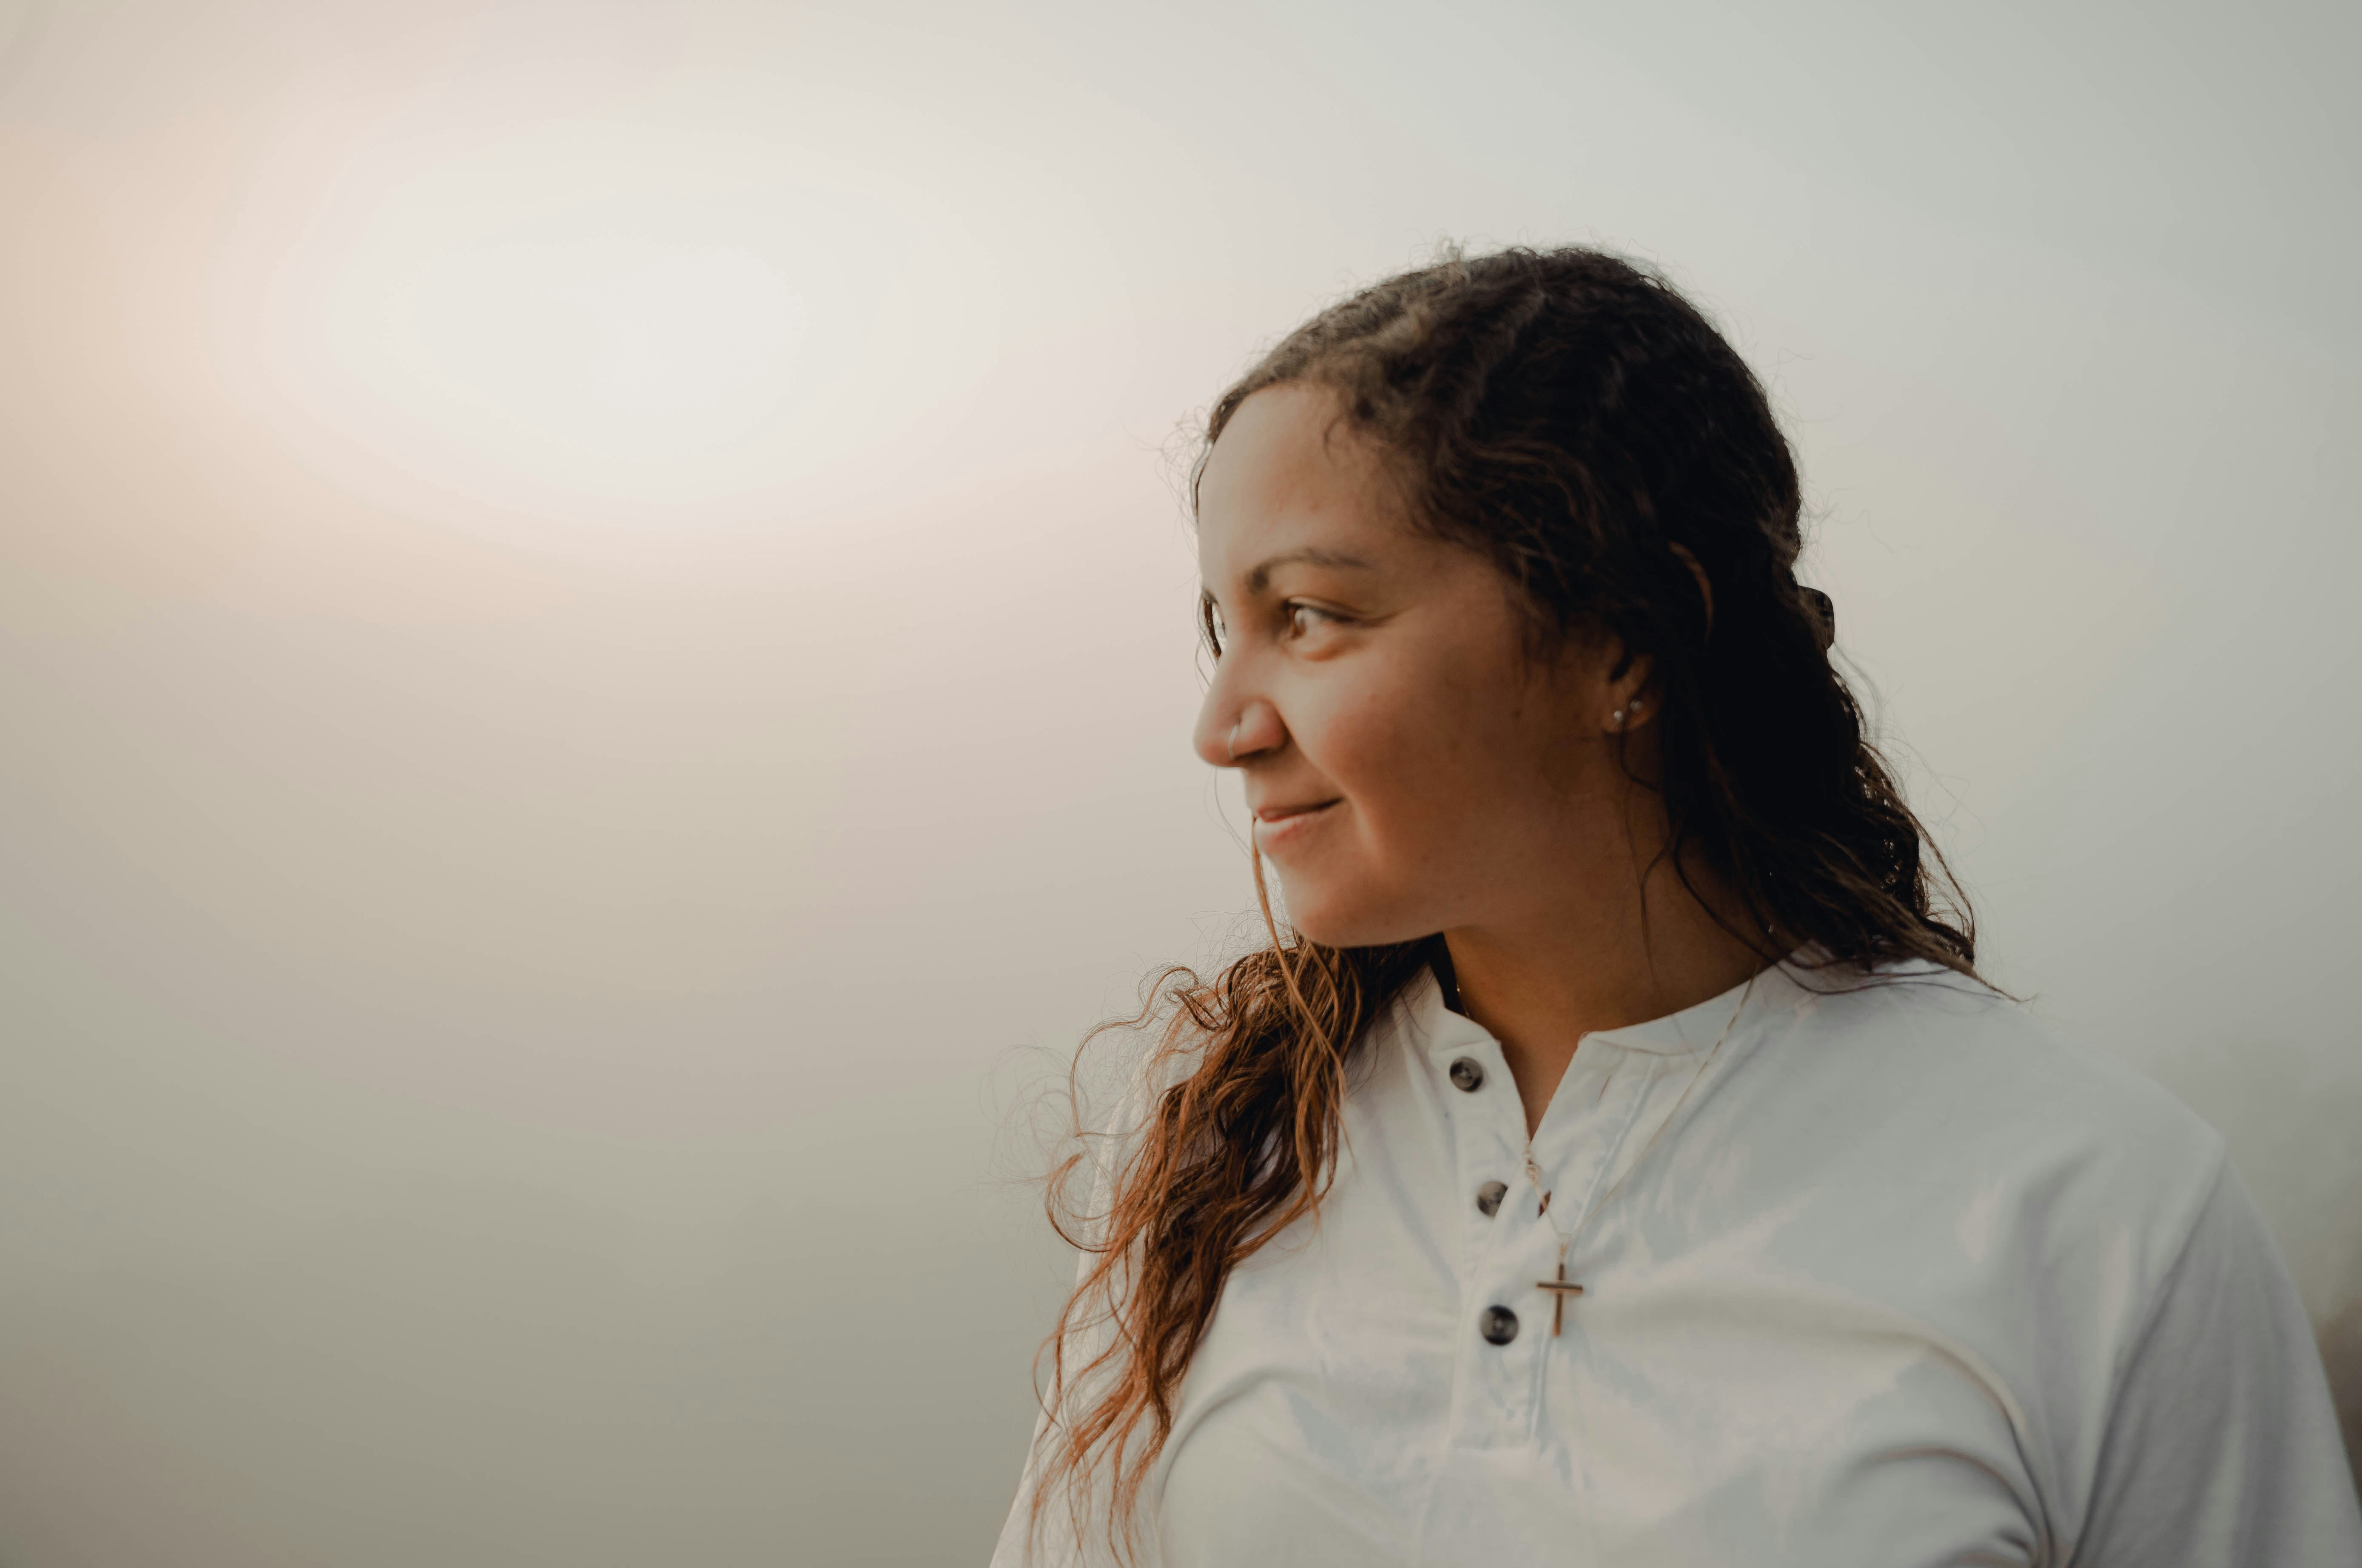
<point x="1619" y="1161"/>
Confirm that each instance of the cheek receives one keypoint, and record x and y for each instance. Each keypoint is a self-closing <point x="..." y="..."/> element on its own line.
<point x="1412" y="757"/>
<point x="1467" y="773"/>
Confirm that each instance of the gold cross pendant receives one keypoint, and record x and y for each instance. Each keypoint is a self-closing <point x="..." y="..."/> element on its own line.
<point x="1559" y="1289"/>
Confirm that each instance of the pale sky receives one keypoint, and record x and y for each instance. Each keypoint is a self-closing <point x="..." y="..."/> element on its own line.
<point x="596" y="665"/>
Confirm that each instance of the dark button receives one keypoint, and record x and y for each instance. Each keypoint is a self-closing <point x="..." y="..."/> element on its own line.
<point x="1499" y="1324"/>
<point x="1467" y="1074"/>
<point x="1489" y="1196"/>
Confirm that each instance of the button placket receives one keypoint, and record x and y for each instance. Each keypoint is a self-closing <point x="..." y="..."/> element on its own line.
<point x="1486" y="1162"/>
<point x="1467" y="1074"/>
<point x="1488" y="1129"/>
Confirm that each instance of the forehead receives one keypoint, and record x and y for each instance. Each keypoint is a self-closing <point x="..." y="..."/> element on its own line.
<point x="1287" y="472"/>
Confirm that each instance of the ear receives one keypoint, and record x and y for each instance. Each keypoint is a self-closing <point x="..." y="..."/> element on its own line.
<point x="1626" y="702"/>
<point x="1630" y="701"/>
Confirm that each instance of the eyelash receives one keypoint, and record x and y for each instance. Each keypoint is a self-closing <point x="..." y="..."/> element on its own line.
<point x="1218" y="630"/>
<point x="1293" y="607"/>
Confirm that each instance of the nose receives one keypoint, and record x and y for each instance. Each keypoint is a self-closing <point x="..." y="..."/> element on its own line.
<point x="1232" y="729"/>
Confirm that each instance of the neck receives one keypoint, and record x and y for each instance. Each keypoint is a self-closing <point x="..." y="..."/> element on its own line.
<point x="1540" y="984"/>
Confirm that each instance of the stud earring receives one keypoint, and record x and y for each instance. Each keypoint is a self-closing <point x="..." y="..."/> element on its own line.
<point x="1619" y="719"/>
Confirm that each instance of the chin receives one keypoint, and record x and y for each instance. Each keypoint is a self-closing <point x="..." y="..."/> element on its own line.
<point x="1336" y="918"/>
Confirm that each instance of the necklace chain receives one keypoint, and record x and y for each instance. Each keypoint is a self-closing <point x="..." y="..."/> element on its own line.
<point x="1534" y="1172"/>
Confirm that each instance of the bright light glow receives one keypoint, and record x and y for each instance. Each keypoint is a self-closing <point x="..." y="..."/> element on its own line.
<point x="609" y="349"/>
<point x="616" y="320"/>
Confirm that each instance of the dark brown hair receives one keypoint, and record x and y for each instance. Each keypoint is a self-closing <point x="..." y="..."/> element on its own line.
<point x="1572" y="418"/>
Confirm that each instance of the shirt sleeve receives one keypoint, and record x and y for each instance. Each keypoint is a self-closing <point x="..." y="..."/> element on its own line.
<point x="2222" y="1445"/>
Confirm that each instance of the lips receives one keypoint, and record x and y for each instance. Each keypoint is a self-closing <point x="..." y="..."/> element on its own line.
<point x="1282" y="812"/>
<point x="1279" y="829"/>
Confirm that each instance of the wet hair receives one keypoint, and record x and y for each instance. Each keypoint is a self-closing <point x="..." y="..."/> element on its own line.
<point x="1571" y="418"/>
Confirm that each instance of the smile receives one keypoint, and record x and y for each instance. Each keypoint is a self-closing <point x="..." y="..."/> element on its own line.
<point x="1276" y="826"/>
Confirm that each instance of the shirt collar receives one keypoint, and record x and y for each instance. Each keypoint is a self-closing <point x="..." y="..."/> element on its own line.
<point x="1692" y="1030"/>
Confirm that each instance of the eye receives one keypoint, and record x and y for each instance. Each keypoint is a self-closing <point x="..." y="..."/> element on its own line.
<point x="1303" y="619"/>
<point x="1211" y="626"/>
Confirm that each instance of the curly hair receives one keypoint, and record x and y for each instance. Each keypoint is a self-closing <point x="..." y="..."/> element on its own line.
<point x="1575" y="421"/>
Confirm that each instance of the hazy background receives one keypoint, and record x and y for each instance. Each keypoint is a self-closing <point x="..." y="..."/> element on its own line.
<point x="595" y="664"/>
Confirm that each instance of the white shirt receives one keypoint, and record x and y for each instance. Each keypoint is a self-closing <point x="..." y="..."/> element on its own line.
<point x="1904" y="1281"/>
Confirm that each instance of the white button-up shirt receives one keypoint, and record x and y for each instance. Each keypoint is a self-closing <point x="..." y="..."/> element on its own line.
<point x="1891" y="1276"/>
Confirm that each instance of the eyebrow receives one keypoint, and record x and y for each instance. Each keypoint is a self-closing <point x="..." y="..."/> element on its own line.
<point x="1311" y="555"/>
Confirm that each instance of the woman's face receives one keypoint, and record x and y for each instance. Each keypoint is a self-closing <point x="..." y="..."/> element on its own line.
<point x="1407" y="773"/>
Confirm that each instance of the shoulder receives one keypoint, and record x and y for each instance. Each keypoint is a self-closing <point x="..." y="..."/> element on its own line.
<point x="2076" y="1229"/>
<point x="2025" y="1197"/>
<point x="1984" y="1145"/>
<point x="1948" y="1065"/>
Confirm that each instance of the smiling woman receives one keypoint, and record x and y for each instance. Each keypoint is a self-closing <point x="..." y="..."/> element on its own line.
<point x="1619" y="1160"/>
<point x="1387" y="648"/>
